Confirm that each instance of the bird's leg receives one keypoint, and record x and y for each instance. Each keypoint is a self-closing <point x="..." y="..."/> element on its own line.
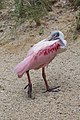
<point x="44" y="77"/>
<point x="55" y="89"/>
<point x="29" y="85"/>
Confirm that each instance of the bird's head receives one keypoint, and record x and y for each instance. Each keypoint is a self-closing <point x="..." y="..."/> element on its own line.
<point x="58" y="35"/>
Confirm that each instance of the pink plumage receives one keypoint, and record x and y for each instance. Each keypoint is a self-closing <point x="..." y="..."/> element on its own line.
<point x="41" y="54"/>
<point x="38" y="58"/>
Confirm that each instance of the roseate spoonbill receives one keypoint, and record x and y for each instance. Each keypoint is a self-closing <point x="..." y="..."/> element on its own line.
<point x="40" y="55"/>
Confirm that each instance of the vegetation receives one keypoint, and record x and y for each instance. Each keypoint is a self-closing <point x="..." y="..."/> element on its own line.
<point x="34" y="10"/>
<point x="1" y="4"/>
<point x="75" y="3"/>
<point x="78" y="22"/>
<point x="31" y="9"/>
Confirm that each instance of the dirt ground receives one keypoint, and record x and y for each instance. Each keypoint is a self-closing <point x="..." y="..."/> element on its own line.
<point x="64" y="71"/>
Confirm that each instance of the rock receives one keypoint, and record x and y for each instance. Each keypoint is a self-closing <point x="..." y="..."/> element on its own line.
<point x="1" y="30"/>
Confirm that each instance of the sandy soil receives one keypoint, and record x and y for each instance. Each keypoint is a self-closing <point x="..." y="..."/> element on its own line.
<point x="64" y="71"/>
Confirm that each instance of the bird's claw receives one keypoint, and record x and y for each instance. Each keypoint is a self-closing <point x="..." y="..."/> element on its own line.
<point x="29" y="90"/>
<point x="55" y="89"/>
<point x="26" y="86"/>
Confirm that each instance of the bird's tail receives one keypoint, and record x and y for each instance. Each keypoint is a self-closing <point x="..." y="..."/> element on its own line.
<point x="22" y="67"/>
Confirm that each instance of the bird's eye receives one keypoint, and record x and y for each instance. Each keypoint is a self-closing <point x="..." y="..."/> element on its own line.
<point x="56" y="34"/>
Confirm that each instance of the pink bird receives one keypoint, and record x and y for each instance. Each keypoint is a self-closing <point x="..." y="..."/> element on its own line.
<point x="40" y="55"/>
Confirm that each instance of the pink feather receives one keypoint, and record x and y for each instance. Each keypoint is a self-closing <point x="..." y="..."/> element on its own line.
<point x="40" y="55"/>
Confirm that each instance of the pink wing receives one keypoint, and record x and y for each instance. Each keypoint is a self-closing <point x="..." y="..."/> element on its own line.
<point x="36" y="47"/>
<point x="39" y="56"/>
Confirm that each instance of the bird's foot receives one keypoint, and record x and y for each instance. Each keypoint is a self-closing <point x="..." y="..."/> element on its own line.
<point x="55" y="89"/>
<point x="29" y="90"/>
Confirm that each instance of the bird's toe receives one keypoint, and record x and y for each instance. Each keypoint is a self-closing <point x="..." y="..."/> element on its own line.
<point x="29" y="92"/>
<point x="54" y="89"/>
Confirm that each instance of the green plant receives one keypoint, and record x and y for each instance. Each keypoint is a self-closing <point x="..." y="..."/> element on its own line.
<point x="30" y="9"/>
<point x="75" y="2"/>
<point x="19" y="8"/>
<point x="75" y="35"/>
<point x="78" y="22"/>
<point x="1" y="4"/>
<point x="41" y="31"/>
